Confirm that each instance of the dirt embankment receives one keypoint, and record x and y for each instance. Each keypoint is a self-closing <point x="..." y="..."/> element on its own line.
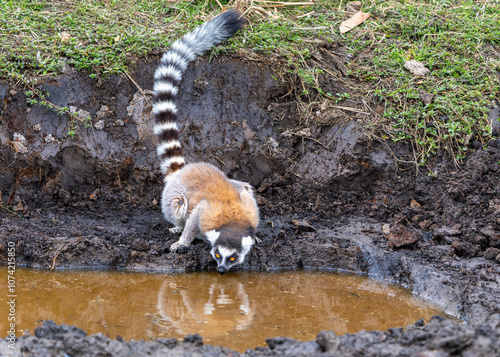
<point x="330" y="198"/>
<point x="439" y="338"/>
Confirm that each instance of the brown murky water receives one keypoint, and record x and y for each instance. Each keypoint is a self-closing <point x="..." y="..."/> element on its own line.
<point x="237" y="310"/>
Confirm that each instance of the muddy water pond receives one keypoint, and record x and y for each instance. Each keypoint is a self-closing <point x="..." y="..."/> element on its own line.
<point x="238" y="310"/>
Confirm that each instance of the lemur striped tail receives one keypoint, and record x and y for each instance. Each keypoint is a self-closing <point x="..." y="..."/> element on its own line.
<point x="169" y="74"/>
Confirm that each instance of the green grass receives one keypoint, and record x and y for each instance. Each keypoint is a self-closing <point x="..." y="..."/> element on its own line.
<point x="458" y="41"/>
<point x="105" y="37"/>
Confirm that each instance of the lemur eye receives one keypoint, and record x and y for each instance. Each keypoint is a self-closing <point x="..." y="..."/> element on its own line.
<point x="232" y="259"/>
<point x="217" y="256"/>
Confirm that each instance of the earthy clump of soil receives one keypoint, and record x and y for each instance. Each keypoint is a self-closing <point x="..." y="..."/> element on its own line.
<point x="439" y="338"/>
<point x="330" y="198"/>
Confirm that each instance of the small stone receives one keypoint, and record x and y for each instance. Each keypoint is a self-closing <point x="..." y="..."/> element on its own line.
<point x="43" y="332"/>
<point x="134" y="254"/>
<point x="401" y="236"/>
<point x="63" y="66"/>
<point x="99" y="125"/>
<point x="19" y="143"/>
<point x="416" y="68"/>
<point x="491" y="253"/>
<point x="83" y="114"/>
<point x="37" y="128"/>
<point x="119" y="122"/>
<point x="448" y="231"/>
<point x="276" y="342"/>
<point x="481" y="240"/>
<point x="427" y="98"/>
<point x="272" y="144"/>
<point x="495" y="204"/>
<point x="419" y="323"/>
<point x="65" y="195"/>
<point x="489" y="231"/>
<point x="140" y="245"/>
<point x="50" y="139"/>
<point x="492" y="234"/>
<point x="169" y="342"/>
<point x="103" y="111"/>
<point x="327" y="340"/>
<point x="287" y="133"/>
<point x="248" y="132"/>
<point x="464" y="249"/>
<point x="386" y="228"/>
<point x="194" y="339"/>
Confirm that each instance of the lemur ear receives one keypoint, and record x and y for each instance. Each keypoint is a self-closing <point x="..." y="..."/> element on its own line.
<point x="246" y="244"/>
<point x="212" y="236"/>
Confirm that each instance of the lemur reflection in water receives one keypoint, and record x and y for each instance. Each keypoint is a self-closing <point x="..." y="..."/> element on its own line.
<point x="211" y="306"/>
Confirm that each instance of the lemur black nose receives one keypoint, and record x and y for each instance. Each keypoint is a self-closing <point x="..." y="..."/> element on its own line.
<point x="222" y="270"/>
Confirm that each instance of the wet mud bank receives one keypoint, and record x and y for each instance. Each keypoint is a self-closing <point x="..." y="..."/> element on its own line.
<point x="330" y="198"/>
<point x="440" y="337"/>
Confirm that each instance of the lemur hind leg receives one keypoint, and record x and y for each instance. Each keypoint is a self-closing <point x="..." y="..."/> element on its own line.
<point x="174" y="206"/>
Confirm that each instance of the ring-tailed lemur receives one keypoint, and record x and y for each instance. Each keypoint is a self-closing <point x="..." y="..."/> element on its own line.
<point x="198" y="198"/>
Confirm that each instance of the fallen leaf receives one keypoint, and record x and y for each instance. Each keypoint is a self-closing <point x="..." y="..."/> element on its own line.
<point x="355" y="20"/>
<point x="414" y="204"/>
<point x="19" y="207"/>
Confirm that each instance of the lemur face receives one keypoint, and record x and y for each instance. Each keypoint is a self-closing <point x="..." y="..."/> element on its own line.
<point x="229" y="248"/>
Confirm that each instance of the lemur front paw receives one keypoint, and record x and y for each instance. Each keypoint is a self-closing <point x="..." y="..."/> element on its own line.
<point x="175" y="230"/>
<point x="177" y="247"/>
